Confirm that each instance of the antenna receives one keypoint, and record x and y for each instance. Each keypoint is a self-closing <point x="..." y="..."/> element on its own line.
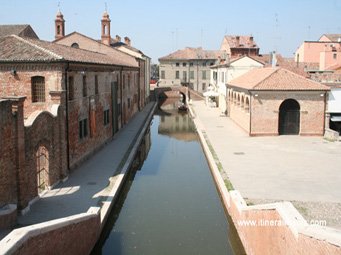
<point x="309" y="29"/>
<point x="202" y="35"/>
<point x="106" y="6"/>
<point x="276" y="37"/>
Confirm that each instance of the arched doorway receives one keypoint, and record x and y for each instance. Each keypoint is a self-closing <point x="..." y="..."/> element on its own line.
<point x="42" y="159"/>
<point x="289" y="118"/>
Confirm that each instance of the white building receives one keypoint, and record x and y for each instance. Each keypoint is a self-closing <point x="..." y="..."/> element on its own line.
<point x="223" y="73"/>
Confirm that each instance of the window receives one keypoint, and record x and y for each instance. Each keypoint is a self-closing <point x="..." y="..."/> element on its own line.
<point x="184" y="64"/>
<point x="124" y="82"/>
<point x="212" y="63"/>
<point x="85" y="89"/>
<point x="38" y="89"/>
<point x="191" y="64"/>
<point x="177" y="64"/>
<point x="204" y="75"/>
<point x="177" y="75"/>
<point x="204" y="64"/>
<point x="184" y="75"/>
<point x="128" y="81"/>
<point x="128" y="103"/>
<point x="119" y="109"/>
<point x="203" y="86"/>
<point x="215" y="76"/>
<point x="191" y="74"/>
<point x="75" y="45"/>
<point x="71" y="88"/>
<point x="163" y="74"/>
<point x="58" y="30"/>
<point x="96" y="85"/>
<point x="335" y="56"/>
<point x="106" y="119"/>
<point x="83" y="128"/>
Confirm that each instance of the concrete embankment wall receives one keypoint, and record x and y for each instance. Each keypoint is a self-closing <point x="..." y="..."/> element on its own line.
<point x="271" y="228"/>
<point x="76" y="234"/>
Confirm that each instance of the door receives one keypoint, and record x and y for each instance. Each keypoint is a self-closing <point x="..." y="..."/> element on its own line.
<point x="289" y="118"/>
<point x="115" y="110"/>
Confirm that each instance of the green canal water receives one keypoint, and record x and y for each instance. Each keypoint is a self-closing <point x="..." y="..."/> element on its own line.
<point x="169" y="203"/>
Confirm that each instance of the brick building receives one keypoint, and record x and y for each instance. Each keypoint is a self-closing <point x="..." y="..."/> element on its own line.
<point x="275" y="101"/>
<point x="59" y="105"/>
<point x="122" y="51"/>
<point x="239" y="45"/>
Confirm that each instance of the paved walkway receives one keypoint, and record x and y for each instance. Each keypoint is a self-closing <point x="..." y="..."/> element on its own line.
<point x="277" y="168"/>
<point x="88" y="182"/>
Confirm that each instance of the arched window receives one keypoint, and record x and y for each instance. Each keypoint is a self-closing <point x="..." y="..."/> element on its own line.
<point x="238" y="99"/>
<point x="75" y="45"/>
<point x="38" y="89"/>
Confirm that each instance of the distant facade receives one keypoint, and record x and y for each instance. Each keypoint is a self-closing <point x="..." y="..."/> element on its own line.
<point x="221" y="74"/>
<point x="326" y="51"/>
<point x="322" y="61"/>
<point x="239" y="45"/>
<point x="188" y="67"/>
<point x="274" y="101"/>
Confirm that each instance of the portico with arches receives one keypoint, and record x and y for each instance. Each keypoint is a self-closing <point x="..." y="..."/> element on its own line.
<point x="275" y="101"/>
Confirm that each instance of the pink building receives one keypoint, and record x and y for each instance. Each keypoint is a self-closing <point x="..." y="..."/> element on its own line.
<point x="326" y="51"/>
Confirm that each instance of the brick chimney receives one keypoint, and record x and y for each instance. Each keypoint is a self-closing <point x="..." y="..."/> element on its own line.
<point x="59" y="26"/>
<point x="237" y="40"/>
<point x="127" y="41"/>
<point x="105" y="22"/>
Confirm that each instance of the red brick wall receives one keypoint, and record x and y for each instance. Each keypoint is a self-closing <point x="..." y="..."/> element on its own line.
<point x="78" y="238"/>
<point x="20" y="84"/>
<point x="241" y="116"/>
<point x="46" y="131"/>
<point x="8" y="169"/>
<point x="265" y="112"/>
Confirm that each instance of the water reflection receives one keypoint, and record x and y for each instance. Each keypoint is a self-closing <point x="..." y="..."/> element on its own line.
<point x="174" y="124"/>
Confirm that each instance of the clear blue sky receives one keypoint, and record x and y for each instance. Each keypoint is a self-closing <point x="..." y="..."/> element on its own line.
<point x="158" y="27"/>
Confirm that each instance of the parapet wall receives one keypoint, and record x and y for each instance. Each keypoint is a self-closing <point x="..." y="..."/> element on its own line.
<point x="271" y="228"/>
<point x="71" y="235"/>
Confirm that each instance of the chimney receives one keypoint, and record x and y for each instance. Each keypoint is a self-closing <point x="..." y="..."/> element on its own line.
<point x="238" y="40"/>
<point x="59" y="26"/>
<point x="251" y="41"/>
<point x="105" y="22"/>
<point x="274" y="60"/>
<point x="127" y="41"/>
<point x="118" y="38"/>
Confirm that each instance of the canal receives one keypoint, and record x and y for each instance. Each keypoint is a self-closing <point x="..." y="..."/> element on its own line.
<point x="169" y="203"/>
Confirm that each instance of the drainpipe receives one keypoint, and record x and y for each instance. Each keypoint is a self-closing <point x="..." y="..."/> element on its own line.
<point x="67" y="117"/>
<point x="121" y="89"/>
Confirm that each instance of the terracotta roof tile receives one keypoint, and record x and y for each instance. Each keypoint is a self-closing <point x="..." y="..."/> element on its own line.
<point x="16" y="49"/>
<point x="18" y="30"/>
<point x="333" y="37"/>
<point x="275" y="79"/>
<point x="193" y="53"/>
